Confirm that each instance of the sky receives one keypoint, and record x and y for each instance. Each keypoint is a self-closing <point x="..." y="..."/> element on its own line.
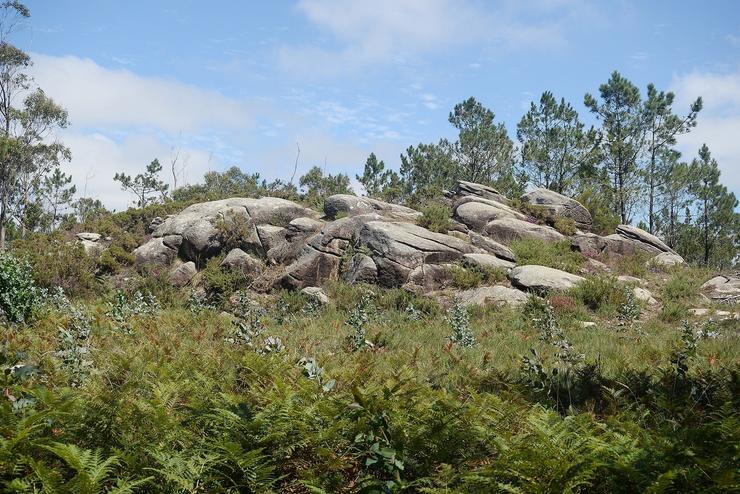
<point x="245" y="83"/>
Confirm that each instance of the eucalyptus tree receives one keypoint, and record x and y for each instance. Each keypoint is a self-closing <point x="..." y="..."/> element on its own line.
<point x="555" y="147"/>
<point x="622" y="117"/>
<point x="662" y="129"/>
<point x="28" y="121"/>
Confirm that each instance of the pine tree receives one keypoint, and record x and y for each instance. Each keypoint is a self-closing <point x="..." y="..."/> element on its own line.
<point x="673" y="195"/>
<point x="145" y="186"/>
<point x="555" y="148"/>
<point x="623" y="135"/>
<point x="663" y="126"/>
<point x="375" y="178"/>
<point x="716" y="219"/>
<point x="57" y="194"/>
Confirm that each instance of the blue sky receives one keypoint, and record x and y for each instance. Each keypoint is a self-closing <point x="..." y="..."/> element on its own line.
<point x="243" y="82"/>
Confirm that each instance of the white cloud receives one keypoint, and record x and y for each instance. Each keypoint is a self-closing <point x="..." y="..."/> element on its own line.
<point x="371" y="33"/>
<point x="98" y="96"/>
<point x="718" y="123"/>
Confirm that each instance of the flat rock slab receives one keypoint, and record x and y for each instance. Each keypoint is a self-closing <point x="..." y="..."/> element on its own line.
<point x="633" y="233"/>
<point x="475" y="213"/>
<point x="497" y="295"/>
<point x="486" y="261"/>
<point x="541" y="278"/>
<point x="725" y="288"/>
<point x="464" y="188"/>
<point x="560" y="205"/>
<point x="508" y="230"/>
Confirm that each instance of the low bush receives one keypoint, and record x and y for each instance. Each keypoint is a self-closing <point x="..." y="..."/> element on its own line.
<point x="58" y="261"/>
<point x="435" y="217"/>
<point x="558" y="255"/>
<point x="600" y="293"/>
<point x="19" y="295"/>
<point x="219" y="283"/>
<point x="682" y="285"/>
<point x="465" y="277"/>
<point x="633" y="265"/>
<point x="673" y="311"/>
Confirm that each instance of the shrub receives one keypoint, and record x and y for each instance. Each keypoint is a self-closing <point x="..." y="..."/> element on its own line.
<point x="57" y="261"/>
<point x="673" y="311"/>
<point x="681" y="286"/>
<point x="566" y="226"/>
<point x="220" y="284"/>
<point x="114" y="258"/>
<point x="633" y="265"/>
<point x="435" y="217"/>
<point x="556" y="255"/>
<point x="19" y="295"/>
<point x="597" y="203"/>
<point x="600" y="293"/>
<point x="465" y="277"/>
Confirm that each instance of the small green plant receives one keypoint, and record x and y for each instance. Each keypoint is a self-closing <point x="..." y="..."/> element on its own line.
<point x="357" y="319"/>
<point x="465" y="277"/>
<point x="681" y="286"/>
<point x="600" y="293"/>
<point x="566" y="226"/>
<point x="682" y="356"/>
<point x="629" y="310"/>
<point x="459" y="320"/>
<point x="73" y="348"/>
<point x="673" y="311"/>
<point x="19" y="295"/>
<point x="435" y="217"/>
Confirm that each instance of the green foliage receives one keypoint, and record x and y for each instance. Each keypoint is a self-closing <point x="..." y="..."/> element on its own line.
<point x="459" y="321"/>
<point x="556" y="255"/>
<point x="435" y="217"/>
<point x="145" y="186"/>
<point x="673" y="311"/>
<point x="19" y="295"/>
<point x="58" y="261"/>
<point x="465" y="277"/>
<point x="605" y="221"/>
<point x="220" y="284"/>
<point x="601" y="293"/>
<point x="683" y="285"/>
<point x="319" y="186"/>
<point x="379" y="182"/>
<point x="556" y="150"/>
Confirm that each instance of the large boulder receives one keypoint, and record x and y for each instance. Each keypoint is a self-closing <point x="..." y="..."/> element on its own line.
<point x="429" y="277"/>
<point x="201" y="226"/>
<point x="592" y="245"/>
<point x="636" y="234"/>
<point x="667" y="260"/>
<point x="472" y="189"/>
<point x="398" y="248"/>
<point x="182" y="274"/>
<point x="159" y="251"/>
<point x="508" y="230"/>
<point x="491" y="246"/>
<point x="560" y="205"/>
<point x="92" y="243"/>
<point x="475" y="212"/>
<point x="497" y="295"/>
<point x="238" y="260"/>
<point x="541" y="278"/>
<point x="361" y="269"/>
<point x="349" y="205"/>
<point x="723" y="288"/>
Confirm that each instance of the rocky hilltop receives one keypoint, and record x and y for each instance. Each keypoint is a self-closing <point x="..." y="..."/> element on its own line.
<point x="279" y="243"/>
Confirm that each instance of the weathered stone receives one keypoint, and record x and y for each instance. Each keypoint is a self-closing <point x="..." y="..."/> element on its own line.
<point x="630" y="279"/>
<point x="595" y="266"/>
<point x="491" y="246"/>
<point x="472" y="189"/>
<point x="182" y="274"/>
<point x="361" y="269"/>
<point x="644" y="295"/>
<point x="667" y="259"/>
<point x="587" y="324"/>
<point x="476" y="214"/>
<point x="486" y="261"/>
<point x="429" y="277"/>
<point x="92" y="237"/>
<point x="591" y="245"/>
<point x="508" y="230"/>
<point x="715" y="314"/>
<point x="541" y="278"/>
<point x="560" y="205"/>
<point x="498" y="295"/>
<point x="304" y="225"/>
<point x="198" y="224"/>
<point x="238" y="260"/>
<point x="723" y="288"/>
<point x="633" y="233"/>
<point x="317" y="294"/>
<point x="349" y="205"/>
<point x="155" y="252"/>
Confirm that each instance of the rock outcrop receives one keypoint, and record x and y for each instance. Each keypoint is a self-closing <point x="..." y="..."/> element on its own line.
<point x="508" y="230"/>
<point x="464" y="188"/>
<point x="182" y="274"/>
<point x="475" y="212"/>
<point x="560" y="205"/>
<point x="723" y="288"/>
<point x="541" y="278"/>
<point x="628" y="240"/>
<point x="93" y="243"/>
<point x="496" y="295"/>
<point x="667" y="259"/>
<point x="349" y="205"/>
